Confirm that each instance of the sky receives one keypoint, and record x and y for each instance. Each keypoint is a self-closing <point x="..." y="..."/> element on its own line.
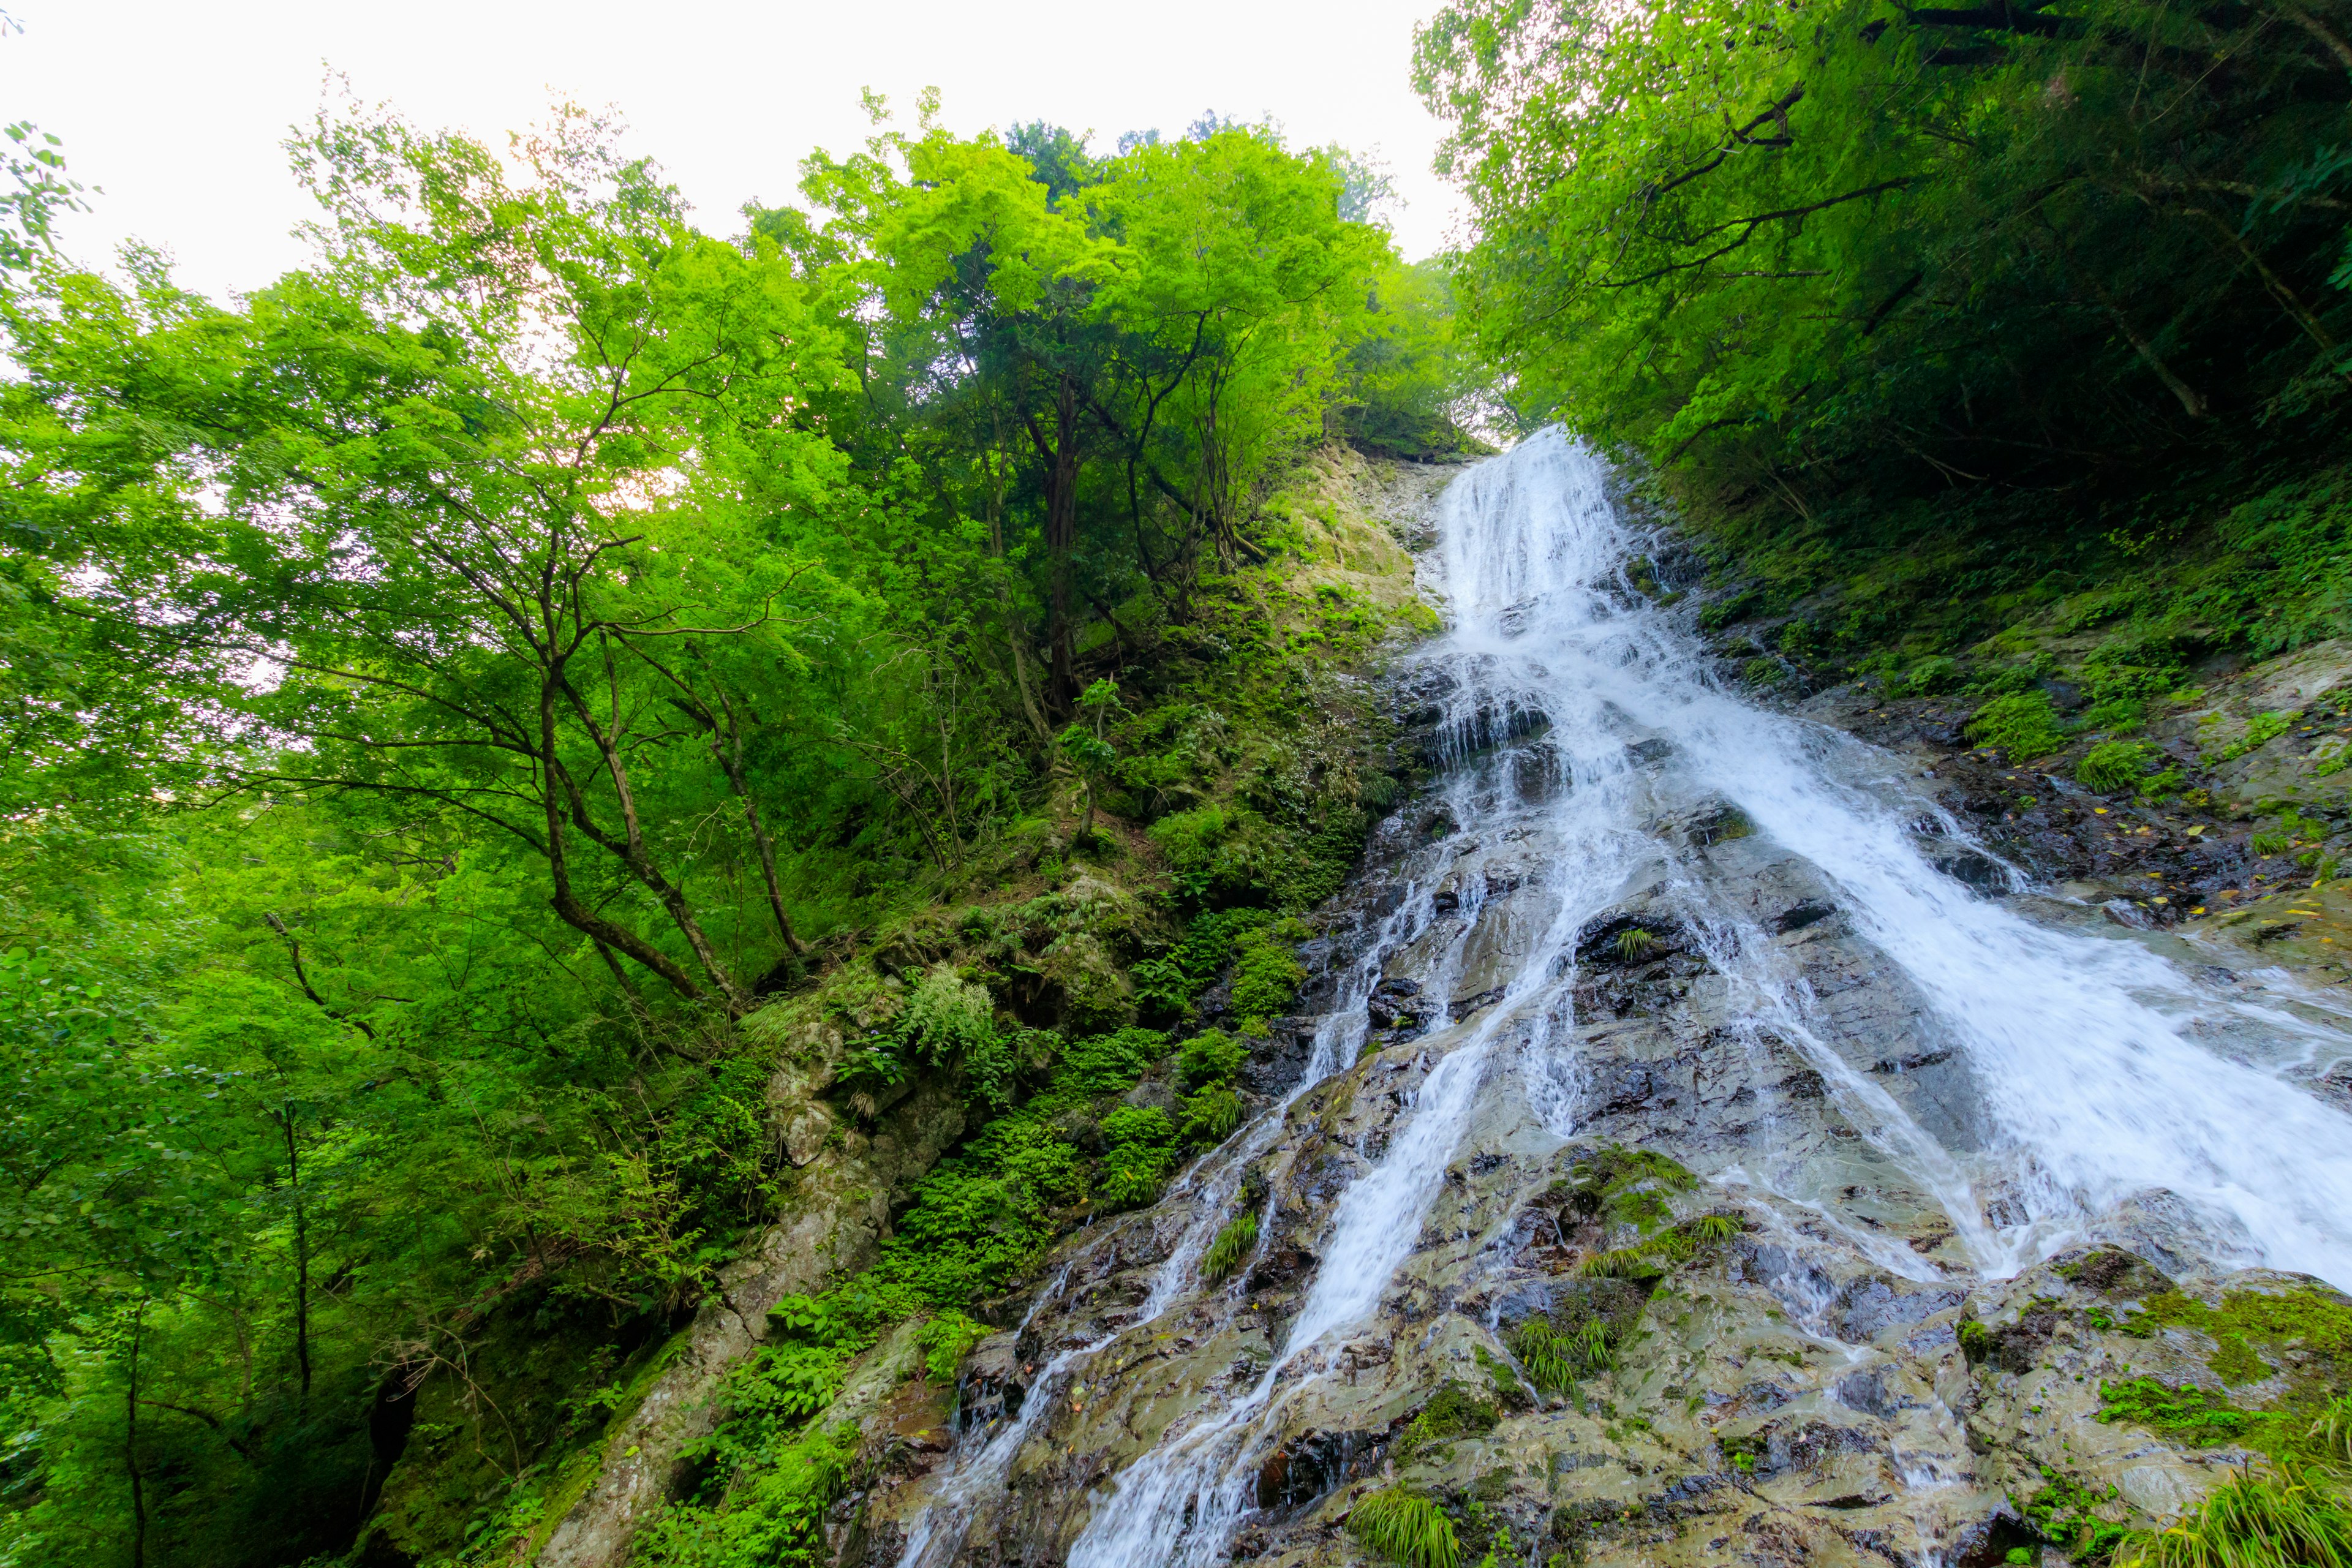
<point x="177" y="111"/>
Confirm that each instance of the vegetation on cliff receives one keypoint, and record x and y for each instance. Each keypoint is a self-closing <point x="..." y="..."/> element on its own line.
<point x="501" y="718"/>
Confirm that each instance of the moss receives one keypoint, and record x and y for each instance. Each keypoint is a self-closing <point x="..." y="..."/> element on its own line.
<point x="1456" y="1410"/>
<point x="2317" y="1321"/>
<point x="2193" y="1415"/>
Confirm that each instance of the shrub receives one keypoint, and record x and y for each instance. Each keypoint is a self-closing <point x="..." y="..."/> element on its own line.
<point x="1407" y="1529"/>
<point x="2114" y="767"/>
<point x="2276" y="1520"/>
<point x="946" y="1015"/>
<point x="1141" y="1140"/>
<point x="2021" y="726"/>
<point x="1938" y="672"/>
<point x="1112" y="1063"/>
<point x="1131" y="1175"/>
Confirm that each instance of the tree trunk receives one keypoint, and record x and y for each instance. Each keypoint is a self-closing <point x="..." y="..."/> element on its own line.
<point x="301" y="1256"/>
<point x="728" y="749"/>
<point x="564" y="901"/>
<point x="131" y="1443"/>
<point x="1060" y="541"/>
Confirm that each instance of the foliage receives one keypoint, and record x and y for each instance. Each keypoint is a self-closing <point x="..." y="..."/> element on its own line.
<point x="1784" y="247"/>
<point x="1654" y="1254"/>
<point x="773" y="1513"/>
<point x="2020" y="726"/>
<point x="460" y="703"/>
<point x="1142" y="1149"/>
<point x="1266" y="973"/>
<point x="1554" y="1359"/>
<point x="1624" y="1186"/>
<point x="1231" y="1245"/>
<point x="946" y="1339"/>
<point x="1406" y="1528"/>
<point x="2117" y="764"/>
<point x="2064" y="1512"/>
<point x="1210" y="1116"/>
<point x="2272" y="1520"/>
<point x="1634" y="945"/>
<point x="1455" y="1410"/>
<point x="1211" y="1056"/>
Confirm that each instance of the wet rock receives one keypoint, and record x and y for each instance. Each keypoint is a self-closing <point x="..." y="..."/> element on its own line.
<point x="1867" y="1307"/>
<point x="1975" y="870"/>
<point x="1798" y="916"/>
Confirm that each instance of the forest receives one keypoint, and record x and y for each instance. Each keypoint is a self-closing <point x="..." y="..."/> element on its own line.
<point x="480" y="711"/>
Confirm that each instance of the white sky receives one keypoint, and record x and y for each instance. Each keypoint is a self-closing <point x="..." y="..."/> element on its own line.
<point x="177" y="110"/>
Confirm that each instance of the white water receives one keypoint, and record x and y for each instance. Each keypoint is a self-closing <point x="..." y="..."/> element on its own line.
<point x="2105" y="1073"/>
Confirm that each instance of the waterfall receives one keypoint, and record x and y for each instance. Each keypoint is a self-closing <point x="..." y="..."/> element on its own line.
<point x="1583" y="715"/>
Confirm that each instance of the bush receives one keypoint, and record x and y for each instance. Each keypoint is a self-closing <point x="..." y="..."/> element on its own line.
<point x="1112" y="1063"/>
<point x="2021" y="726"/>
<point x="2115" y="765"/>
<point x="1938" y="672"/>
<point x="1407" y="1529"/>
<point x="1131" y="1175"/>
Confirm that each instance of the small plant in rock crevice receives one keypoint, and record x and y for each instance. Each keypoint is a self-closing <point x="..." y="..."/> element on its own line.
<point x="1407" y="1529"/>
<point x="1232" y="1244"/>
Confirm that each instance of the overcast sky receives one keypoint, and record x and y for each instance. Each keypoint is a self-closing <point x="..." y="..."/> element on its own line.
<point x="177" y="110"/>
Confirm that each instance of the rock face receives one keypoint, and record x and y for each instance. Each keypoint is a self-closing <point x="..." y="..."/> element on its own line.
<point x="1636" y="1189"/>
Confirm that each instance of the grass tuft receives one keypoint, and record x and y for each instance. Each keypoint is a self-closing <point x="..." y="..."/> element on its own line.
<point x="1232" y="1244"/>
<point x="1407" y="1529"/>
<point x="2275" y="1520"/>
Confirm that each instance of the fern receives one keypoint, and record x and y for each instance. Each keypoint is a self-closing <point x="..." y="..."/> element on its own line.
<point x="1554" y="1359"/>
<point x="1655" y="1254"/>
<point x="1406" y="1528"/>
<point x="1230" y="1246"/>
<point x="1634" y="944"/>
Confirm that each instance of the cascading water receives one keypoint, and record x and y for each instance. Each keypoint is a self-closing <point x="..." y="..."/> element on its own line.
<point x="2088" y="1077"/>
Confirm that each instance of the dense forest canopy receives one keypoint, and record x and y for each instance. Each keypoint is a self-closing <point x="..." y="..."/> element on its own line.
<point x="450" y="687"/>
<point x="1784" y="245"/>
